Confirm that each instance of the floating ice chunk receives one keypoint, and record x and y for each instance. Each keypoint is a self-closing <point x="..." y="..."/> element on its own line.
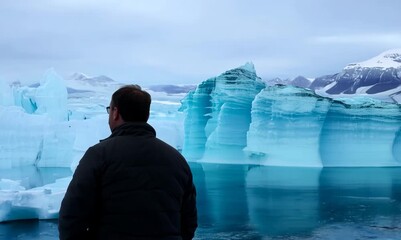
<point x="10" y="185"/>
<point x="36" y="203"/>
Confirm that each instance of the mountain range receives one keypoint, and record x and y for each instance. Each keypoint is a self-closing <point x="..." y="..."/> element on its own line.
<point x="378" y="77"/>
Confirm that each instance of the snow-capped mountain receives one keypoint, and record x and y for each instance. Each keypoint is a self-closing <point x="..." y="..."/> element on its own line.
<point x="100" y="80"/>
<point x="379" y="77"/>
<point x="387" y="59"/>
<point x="321" y="82"/>
<point x="79" y="82"/>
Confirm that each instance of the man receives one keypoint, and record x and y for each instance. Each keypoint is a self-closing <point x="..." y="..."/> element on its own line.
<point x="131" y="185"/>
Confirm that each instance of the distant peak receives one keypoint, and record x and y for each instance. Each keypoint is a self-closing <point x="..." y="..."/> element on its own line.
<point x="85" y="78"/>
<point x="393" y="54"/>
<point x="78" y="76"/>
<point x="249" y="67"/>
<point x="388" y="59"/>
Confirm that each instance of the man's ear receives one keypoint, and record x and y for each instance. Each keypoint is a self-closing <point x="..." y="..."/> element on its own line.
<point x="116" y="114"/>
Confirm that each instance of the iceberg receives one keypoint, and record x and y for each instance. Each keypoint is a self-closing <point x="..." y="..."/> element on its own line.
<point x="287" y="123"/>
<point x="218" y="114"/>
<point x="236" y="118"/>
<point x="49" y="98"/>
<point x="197" y="108"/>
<point x="361" y="132"/>
<point x="21" y="137"/>
<point x="31" y="192"/>
<point x="34" y="126"/>
<point x="36" y="203"/>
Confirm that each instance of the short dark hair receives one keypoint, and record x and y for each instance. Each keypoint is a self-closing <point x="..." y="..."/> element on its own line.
<point x="132" y="102"/>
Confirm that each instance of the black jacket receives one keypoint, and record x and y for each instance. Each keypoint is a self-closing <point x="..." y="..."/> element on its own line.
<point x="130" y="186"/>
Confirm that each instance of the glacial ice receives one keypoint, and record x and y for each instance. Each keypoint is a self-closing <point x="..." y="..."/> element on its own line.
<point x="235" y="118"/>
<point x="44" y="128"/>
<point x="361" y="134"/>
<point x="34" y="130"/>
<point x="36" y="203"/>
<point x="232" y="118"/>
<point x="49" y="99"/>
<point x="289" y="122"/>
<point x="217" y="113"/>
<point x="21" y="137"/>
<point x="286" y="124"/>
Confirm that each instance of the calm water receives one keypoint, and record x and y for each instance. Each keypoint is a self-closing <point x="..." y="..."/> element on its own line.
<point x="257" y="202"/>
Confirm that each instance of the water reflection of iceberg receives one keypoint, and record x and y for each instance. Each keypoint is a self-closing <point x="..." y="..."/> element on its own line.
<point x="283" y="201"/>
<point x="300" y="201"/>
<point x="221" y="196"/>
<point x="359" y="194"/>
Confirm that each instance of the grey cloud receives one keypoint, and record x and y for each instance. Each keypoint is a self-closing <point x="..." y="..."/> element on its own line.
<point x="177" y="40"/>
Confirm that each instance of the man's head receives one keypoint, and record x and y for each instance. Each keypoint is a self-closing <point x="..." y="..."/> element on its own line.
<point x="129" y="104"/>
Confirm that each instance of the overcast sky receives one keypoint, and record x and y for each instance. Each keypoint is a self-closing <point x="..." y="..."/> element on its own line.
<point x="174" y="41"/>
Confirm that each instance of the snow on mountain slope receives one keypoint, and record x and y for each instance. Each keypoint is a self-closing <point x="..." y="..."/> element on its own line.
<point x="378" y="77"/>
<point x="387" y="59"/>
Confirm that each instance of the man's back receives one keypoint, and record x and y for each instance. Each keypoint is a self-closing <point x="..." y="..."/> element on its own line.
<point x="142" y="189"/>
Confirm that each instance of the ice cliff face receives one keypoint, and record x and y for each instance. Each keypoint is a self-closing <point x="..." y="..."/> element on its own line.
<point x="235" y="115"/>
<point x="295" y="127"/>
<point x="361" y="132"/>
<point x="286" y="126"/>
<point x="218" y="112"/>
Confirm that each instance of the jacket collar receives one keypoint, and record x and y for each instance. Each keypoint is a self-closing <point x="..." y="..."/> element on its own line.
<point x="133" y="128"/>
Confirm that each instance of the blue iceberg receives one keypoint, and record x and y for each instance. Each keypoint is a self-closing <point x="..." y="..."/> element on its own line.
<point x="218" y="113"/>
<point x="237" y="118"/>
<point x="286" y="126"/>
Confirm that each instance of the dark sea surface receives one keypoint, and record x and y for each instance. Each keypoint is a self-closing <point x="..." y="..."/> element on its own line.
<point x="259" y="202"/>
